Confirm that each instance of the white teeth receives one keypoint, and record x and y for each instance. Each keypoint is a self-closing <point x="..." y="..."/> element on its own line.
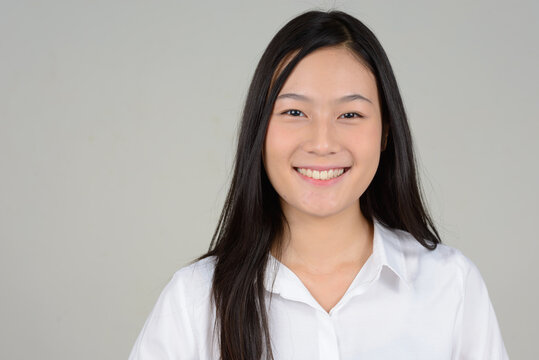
<point x="321" y="175"/>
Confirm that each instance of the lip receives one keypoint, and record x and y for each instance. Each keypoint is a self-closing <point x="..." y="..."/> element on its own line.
<point x="322" y="182"/>
<point x="321" y="168"/>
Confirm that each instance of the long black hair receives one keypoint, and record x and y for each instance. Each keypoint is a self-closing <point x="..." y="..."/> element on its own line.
<point x="252" y="218"/>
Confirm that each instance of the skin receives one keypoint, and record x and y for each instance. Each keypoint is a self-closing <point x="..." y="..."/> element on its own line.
<point x="329" y="238"/>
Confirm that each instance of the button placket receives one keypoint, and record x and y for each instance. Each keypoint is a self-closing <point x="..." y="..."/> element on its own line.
<point x="328" y="346"/>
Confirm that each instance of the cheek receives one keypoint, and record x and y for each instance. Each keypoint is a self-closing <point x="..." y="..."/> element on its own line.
<point x="365" y="143"/>
<point x="278" y="147"/>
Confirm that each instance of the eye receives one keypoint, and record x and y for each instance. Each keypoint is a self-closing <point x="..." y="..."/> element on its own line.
<point x="297" y="113"/>
<point x="351" y="115"/>
<point x="293" y="112"/>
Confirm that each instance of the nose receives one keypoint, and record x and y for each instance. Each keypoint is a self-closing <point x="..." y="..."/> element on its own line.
<point x="322" y="137"/>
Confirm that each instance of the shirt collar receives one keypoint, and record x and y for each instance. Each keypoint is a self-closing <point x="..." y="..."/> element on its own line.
<point x="387" y="251"/>
<point x="389" y="243"/>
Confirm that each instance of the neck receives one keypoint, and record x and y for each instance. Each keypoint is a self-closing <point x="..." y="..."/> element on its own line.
<point x="322" y="245"/>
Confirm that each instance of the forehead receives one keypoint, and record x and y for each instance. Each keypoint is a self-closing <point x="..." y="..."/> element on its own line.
<point x="331" y="73"/>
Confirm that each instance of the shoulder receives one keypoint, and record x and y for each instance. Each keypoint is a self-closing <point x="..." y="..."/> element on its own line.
<point x="201" y="270"/>
<point x="178" y="319"/>
<point x="452" y="283"/>
<point x="444" y="261"/>
<point x="187" y="290"/>
<point x="413" y="250"/>
<point x="193" y="280"/>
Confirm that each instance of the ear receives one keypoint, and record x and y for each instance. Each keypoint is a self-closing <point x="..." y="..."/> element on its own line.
<point x="385" y="134"/>
<point x="263" y="157"/>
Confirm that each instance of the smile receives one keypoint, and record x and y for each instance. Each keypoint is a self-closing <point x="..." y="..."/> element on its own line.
<point x="319" y="177"/>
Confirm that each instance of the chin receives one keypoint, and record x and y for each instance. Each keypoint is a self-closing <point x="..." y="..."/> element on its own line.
<point x="322" y="212"/>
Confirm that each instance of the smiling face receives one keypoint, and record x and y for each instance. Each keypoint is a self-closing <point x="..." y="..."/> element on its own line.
<point x="323" y="141"/>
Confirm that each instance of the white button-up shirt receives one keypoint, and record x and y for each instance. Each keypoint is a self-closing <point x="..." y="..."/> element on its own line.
<point x="406" y="302"/>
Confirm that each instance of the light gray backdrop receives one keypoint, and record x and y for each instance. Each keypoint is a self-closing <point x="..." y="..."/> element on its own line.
<point x="117" y="132"/>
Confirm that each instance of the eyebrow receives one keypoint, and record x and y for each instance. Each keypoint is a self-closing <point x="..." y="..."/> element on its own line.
<point x="343" y="99"/>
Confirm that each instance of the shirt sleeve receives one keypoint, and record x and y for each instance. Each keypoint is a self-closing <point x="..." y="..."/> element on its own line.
<point x="478" y="335"/>
<point x="167" y="332"/>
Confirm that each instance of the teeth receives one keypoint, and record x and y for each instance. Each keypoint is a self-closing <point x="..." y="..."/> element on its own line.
<point x="321" y="175"/>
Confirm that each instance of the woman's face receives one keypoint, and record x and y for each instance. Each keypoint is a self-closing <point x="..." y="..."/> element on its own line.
<point x="326" y="121"/>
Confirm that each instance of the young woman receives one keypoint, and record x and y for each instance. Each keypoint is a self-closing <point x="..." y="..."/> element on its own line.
<point x="324" y="248"/>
